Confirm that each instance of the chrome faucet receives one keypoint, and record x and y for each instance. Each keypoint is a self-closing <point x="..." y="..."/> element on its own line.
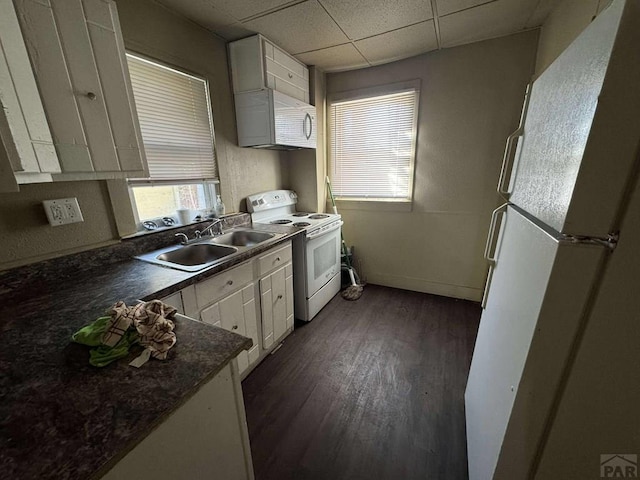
<point x="217" y="222"/>
<point x="183" y="238"/>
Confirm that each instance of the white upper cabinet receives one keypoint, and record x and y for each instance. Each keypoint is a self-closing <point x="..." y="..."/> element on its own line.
<point x="27" y="153"/>
<point x="256" y="63"/>
<point x="78" y="58"/>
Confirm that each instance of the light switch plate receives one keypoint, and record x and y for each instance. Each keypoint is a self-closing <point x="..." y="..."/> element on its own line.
<point x="62" y="211"/>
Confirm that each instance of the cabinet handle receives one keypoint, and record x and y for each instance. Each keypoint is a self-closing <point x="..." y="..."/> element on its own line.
<point x="230" y="282"/>
<point x="291" y="75"/>
<point x="279" y="296"/>
<point x="235" y="327"/>
<point x="91" y="96"/>
<point x="304" y="126"/>
<point x="277" y="259"/>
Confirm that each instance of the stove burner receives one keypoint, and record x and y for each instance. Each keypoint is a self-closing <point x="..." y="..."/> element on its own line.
<point x="300" y="214"/>
<point x="301" y="224"/>
<point x="318" y="216"/>
<point x="280" y="222"/>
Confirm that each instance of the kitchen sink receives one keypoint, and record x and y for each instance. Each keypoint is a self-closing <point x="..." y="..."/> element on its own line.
<point x="243" y="238"/>
<point x="208" y="251"/>
<point x="196" y="254"/>
<point x="189" y="258"/>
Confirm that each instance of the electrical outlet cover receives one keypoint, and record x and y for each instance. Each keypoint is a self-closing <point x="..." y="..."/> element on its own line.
<point x="62" y="211"/>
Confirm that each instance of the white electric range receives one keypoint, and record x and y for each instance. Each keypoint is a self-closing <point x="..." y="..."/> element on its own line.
<point x="316" y="255"/>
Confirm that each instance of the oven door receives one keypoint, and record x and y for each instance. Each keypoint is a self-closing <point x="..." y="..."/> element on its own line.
<point x="322" y="258"/>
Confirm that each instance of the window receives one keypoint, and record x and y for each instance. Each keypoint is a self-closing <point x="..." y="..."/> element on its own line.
<point x="372" y="142"/>
<point x="177" y="132"/>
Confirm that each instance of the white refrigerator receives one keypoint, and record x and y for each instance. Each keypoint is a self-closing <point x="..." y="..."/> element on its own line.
<point x="554" y="385"/>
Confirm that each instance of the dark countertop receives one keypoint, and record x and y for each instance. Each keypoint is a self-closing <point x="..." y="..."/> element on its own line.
<point x="62" y="418"/>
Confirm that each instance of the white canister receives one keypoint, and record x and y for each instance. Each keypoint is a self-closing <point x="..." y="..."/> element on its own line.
<point x="184" y="216"/>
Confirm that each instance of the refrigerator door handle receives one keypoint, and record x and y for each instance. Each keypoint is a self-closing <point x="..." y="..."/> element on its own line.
<point x="492" y="233"/>
<point x="509" y="154"/>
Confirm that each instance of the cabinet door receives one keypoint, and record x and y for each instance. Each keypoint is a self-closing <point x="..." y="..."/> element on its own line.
<point x="237" y="313"/>
<point x="276" y="295"/>
<point x="285" y="74"/>
<point x="288" y="283"/>
<point x="257" y="63"/>
<point x="77" y="53"/>
<point x="266" y="308"/>
<point x="175" y="300"/>
<point x="25" y="137"/>
<point x="251" y="321"/>
<point x="279" y="303"/>
<point x="232" y="319"/>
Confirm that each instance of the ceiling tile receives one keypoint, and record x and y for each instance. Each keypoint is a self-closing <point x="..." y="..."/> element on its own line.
<point x="235" y="31"/>
<point x="365" y="18"/>
<point x="200" y="11"/>
<point x="332" y="59"/>
<point x="495" y="19"/>
<point x="445" y="7"/>
<point x="401" y="43"/>
<point x="242" y="9"/>
<point x="300" y="28"/>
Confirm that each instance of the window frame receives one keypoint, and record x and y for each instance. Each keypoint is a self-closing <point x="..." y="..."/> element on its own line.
<point x="210" y="191"/>
<point x="378" y="203"/>
<point x="210" y="185"/>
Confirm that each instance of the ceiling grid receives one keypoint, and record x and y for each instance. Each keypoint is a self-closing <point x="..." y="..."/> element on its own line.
<point x="339" y="35"/>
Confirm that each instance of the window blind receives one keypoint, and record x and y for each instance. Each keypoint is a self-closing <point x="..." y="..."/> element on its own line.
<point x="372" y="145"/>
<point x="173" y="109"/>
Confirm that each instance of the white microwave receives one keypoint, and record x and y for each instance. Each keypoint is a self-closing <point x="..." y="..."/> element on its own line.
<point x="270" y="119"/>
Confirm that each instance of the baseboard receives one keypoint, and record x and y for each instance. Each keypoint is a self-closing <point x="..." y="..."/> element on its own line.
<point x="425" y="286"/>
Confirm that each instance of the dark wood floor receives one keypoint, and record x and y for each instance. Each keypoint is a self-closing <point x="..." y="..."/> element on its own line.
<point x="371" y="389"/>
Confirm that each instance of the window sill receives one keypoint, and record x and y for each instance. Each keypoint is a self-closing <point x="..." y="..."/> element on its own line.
<point x="374" y="205"/>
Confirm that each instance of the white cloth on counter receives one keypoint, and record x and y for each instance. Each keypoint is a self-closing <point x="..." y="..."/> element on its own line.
<point x="152" y="320"/>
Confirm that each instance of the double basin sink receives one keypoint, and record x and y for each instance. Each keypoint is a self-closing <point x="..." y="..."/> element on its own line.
<point x="208" y="251"/>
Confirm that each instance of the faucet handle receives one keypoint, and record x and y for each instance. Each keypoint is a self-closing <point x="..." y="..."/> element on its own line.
<point x="197" y="233"/>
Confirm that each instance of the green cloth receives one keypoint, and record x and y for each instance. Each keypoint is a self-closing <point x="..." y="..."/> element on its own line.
<point x="102" y="355"/>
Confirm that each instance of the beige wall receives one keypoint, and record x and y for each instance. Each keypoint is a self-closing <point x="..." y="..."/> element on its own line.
<point x="152" y="30"/>
<point x="470" y="100"/>
<point x="307" y="168"/>
<point x="562" y="26"/>
<point x="26" y="236"/>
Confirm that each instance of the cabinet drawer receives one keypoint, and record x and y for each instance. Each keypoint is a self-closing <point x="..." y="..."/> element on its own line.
<point x="213" y="289"/>
<point x="287" y="88"/>
<point x="286" y="75"/>
<point x="274" y="259"/>
<point x="288" y="62"/>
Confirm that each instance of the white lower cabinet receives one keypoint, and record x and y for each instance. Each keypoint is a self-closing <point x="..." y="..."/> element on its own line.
<point x="207" y="437"/>
<point x="254" y="299"/>
<point x="237" y="313"/>
<point x="276" y="304"/>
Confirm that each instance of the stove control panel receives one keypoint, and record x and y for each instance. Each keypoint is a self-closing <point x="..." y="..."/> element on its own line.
<point x="269" y="200"/>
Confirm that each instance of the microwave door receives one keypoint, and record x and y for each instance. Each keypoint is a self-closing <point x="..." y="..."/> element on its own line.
<point x="295" y="122"/>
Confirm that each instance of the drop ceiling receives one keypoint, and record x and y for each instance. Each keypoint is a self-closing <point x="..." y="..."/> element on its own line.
<point x="346" y="34"/>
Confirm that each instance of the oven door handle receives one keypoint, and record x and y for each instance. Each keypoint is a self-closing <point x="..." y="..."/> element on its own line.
<point x="324" y="232"/>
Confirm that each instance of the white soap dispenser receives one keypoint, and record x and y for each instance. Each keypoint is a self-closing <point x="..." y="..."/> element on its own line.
<point x="220" y="209"/>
